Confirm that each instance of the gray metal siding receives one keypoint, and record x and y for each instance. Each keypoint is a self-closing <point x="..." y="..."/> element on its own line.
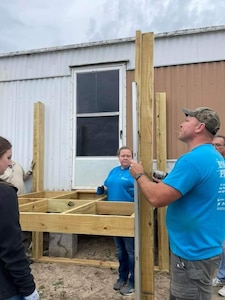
<point x="55" y="64"/>
<point x="174" y="48"/>
<point x="16" y="123"/>
<point x="192" y="48"/>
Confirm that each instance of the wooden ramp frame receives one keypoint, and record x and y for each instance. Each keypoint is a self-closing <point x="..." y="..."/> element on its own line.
<point x="78" y="212"/>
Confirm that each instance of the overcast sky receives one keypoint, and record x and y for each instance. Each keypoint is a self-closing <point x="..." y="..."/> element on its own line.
<point x="33" y="24"/>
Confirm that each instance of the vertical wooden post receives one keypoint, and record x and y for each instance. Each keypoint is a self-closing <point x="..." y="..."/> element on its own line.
<point x="144" y="78"/>
<point x="38" y="151"/>
<point x="38" y="173"/>
<point x="161" y="154"/>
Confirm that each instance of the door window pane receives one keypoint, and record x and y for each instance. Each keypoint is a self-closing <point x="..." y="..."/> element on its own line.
<point x="98" y="91"/>
<point x="97" y="136"/>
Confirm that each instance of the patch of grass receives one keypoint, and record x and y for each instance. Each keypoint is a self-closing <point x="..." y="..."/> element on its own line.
<point x="59" y="282"/>
<point x="42" y="287"/>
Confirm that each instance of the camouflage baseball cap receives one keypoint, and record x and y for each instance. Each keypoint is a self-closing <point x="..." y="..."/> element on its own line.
<point x="207" y="116"/>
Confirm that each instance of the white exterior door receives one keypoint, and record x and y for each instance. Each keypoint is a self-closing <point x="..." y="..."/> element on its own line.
<point x="99" y="122"/>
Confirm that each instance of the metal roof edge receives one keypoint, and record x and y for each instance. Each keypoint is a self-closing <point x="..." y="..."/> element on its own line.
<point x="190" y="31"/>
<point x="114" y="41"/>
<point x="68" y="47"/>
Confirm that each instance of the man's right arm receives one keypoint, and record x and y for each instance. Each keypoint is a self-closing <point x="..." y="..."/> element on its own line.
<point x="157" y="194"/>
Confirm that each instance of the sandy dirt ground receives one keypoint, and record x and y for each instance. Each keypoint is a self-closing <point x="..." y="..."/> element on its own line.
<point x="61" y="281"/>
<point x="71" y="282"/>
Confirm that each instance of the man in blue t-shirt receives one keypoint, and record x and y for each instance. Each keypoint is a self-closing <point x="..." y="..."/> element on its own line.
<point x="195" y="194"/>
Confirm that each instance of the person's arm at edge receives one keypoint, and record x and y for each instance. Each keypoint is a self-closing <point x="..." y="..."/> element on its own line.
<point x="157" y="194"/>
<point x="26" y="175"/>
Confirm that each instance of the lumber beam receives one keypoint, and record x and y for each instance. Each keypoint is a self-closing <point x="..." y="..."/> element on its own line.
<point x="144" y="78"/>
<point x="38" y="147"/>
<point x="80" y="261"/>
<point x="109" y="225"/>
<point x="38" y="172"/>
<point x="161" y="154"/>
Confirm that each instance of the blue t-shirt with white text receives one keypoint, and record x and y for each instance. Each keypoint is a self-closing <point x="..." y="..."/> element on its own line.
<point x="196" y="221"/>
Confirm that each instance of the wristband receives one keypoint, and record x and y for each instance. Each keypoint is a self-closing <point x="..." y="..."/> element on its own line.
<point x="138" y="176"/>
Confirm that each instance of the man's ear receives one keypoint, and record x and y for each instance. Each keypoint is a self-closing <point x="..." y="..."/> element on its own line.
<point x="200" y="127"/>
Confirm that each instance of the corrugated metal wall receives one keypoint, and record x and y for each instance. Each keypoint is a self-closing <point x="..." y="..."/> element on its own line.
<point x="45" y="75"/>
<point x="18" y="125"/>
<point x="190" y="86"/>
<point x="50" y="63"/>
<point x="27" y="78"/>
<point x="189" y="46"/>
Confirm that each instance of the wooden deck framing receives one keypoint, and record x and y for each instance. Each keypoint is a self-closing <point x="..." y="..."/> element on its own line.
<point x="78" y="212"/>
